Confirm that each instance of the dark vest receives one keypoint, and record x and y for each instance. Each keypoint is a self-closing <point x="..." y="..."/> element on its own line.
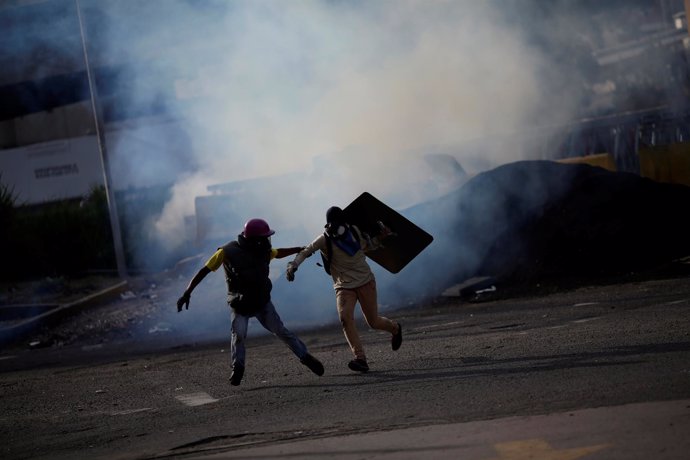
<point x="246" y="273"/>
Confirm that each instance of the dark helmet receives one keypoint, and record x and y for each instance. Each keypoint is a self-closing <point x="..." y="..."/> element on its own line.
<point x="336" y="226"/>
<point x="257" y="227"/>
<point x="335" y="216"/>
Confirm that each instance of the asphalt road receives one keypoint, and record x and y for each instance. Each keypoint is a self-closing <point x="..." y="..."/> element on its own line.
<point x="596" y="373"/>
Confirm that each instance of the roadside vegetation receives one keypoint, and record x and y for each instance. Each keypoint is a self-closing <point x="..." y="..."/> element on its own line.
<point x="72" y="238"/>
<point x="62" y="238"/>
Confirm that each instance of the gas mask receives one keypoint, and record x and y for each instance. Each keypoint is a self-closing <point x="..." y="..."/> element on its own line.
<point x="336" y="230"/>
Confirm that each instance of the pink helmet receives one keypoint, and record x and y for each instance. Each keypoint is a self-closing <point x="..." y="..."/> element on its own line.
<point x="257" y="227"/>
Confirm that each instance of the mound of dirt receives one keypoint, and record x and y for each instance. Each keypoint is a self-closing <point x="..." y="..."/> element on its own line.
<point x="542" y="221"/>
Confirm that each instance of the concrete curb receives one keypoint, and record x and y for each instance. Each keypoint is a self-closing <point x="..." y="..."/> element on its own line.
<point x="17" y="331"/>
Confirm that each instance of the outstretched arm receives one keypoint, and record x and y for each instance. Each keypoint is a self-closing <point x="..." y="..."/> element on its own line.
<point x="302" y="254"/>
<point x="184" y="300"/>
<point x="285" y="252"/>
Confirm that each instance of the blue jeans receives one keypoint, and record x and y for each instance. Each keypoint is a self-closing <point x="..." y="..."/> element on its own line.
<point x="270" y="320"/>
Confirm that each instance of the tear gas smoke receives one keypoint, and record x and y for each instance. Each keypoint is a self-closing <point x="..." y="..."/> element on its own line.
<point x="264" y="88"/>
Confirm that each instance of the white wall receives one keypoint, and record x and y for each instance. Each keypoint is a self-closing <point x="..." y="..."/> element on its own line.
<point x="150" y="154"/>
<point x="73" y="120"/>
<point x="53" y="170"/>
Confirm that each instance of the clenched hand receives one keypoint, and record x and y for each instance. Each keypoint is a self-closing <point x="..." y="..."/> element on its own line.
<point x="183" y="302"/>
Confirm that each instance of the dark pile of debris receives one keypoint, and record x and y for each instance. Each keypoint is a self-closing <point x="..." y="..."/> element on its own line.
<point x="538" y="222"/>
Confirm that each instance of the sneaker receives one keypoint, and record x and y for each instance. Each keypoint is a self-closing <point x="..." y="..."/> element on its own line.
<point x="396" y="341"/>
<point x="313" y="364"/>
<point x="236" y="376"/>
<point x="358" y="365"/>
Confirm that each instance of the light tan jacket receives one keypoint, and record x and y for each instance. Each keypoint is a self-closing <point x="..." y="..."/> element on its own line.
<point x="348" y="272"/>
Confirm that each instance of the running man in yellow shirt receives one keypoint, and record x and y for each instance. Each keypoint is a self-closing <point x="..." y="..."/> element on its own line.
<point x="245" y="262"/>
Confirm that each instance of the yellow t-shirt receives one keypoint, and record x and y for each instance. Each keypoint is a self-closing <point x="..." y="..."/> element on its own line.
<point x="216" y="260"/>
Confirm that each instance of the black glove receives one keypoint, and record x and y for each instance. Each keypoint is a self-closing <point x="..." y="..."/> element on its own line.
<point x="183" y="302"/>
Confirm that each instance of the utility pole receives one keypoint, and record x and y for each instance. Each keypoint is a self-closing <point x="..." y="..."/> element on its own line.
<point x="100" y="134"/>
